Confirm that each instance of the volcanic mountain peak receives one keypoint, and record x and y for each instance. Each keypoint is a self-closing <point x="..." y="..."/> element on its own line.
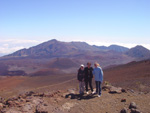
<point x="54" y="48"/>
<point x="118" y="48"/>
<point x="139" y="52"/>
<point x="49" y="48"/>
<point x="84" y="46"/>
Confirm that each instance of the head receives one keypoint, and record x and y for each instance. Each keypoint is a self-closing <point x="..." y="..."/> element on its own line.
<point x="82" y="67"/>
<point x="96" y="64"/>
<point x="88" y="64"/>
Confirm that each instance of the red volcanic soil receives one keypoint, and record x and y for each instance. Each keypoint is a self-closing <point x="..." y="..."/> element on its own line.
<point x="10" y="82"/>
<point x="134" y="75"/>
<point x="14" y="85"/>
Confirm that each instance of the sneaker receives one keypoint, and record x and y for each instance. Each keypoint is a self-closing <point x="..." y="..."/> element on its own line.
<point x="93" y="92"/>
<point x="99" y="95"/>
<point x="87" y="92"/>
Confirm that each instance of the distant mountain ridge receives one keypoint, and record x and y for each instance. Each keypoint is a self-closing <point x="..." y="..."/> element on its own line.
<point x="139" y="52"/>
<point x="49" y="48"/>
<point x="49" y="57"/>
<point x="114" y="48"/>
<point x="58" y="49"/>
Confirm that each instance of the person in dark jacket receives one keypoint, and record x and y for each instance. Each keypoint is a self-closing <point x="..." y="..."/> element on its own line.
<point x="88" y="77"/>
<point x="80" y="78"/>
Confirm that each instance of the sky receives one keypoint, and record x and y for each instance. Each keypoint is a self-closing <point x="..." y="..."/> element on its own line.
<point x="25" y="23"/>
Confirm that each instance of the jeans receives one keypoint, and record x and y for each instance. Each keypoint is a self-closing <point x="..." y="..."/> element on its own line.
<point x="81" y="87"/>
<point x="89" y="81"/>
<point x="98" y="87"/>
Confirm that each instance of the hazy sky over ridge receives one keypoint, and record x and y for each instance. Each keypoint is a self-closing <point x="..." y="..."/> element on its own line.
<point x="100" y="22"/>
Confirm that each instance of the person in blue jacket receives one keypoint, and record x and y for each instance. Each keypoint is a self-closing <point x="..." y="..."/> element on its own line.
<point x="98" y="73"/>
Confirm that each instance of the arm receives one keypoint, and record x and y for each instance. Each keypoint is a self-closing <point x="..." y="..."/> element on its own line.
<point x="85" y="73"/>
<point x="93" y="72"/>
<point x="101" y="75"/>
<point x="78" y="75"/>
<point x="83" y="76"/>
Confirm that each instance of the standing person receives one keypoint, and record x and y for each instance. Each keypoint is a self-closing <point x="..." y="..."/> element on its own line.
<point x="98" y="73"/>
<point x="80" y="78"/>
<point x="88" y="77"/>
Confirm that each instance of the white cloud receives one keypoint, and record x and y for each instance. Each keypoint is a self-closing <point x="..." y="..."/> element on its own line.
<point x="107" y="43"/>
<point x="8" y="50"/>
<point x="17" y="41"/>
<point x="12" y="45"/>
<point x="129" y="45"/>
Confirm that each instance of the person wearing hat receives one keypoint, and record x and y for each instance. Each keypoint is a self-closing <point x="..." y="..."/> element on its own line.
<point x="80" y="78"/>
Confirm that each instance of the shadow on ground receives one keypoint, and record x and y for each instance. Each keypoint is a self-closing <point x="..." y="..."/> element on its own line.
<point x="80" y="96"/>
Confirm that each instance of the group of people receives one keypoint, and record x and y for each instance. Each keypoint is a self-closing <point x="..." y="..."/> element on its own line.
<point x="85" y="75"/>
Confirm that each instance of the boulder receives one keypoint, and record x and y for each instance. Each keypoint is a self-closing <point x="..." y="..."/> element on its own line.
<point x="30" y="93"/>
<point x="22" y="100"/>
<point x="10" y="110"/>
<point x="22" y="96"/>
<point x="124" y="110"/>
<point x="106" y="87"/>
<point x="37" y="101"/>
<point x="123" y="100"/>
<point x="17" y="103"/>
<point x="115" y="90"/>
<point x="1" y="106"/>
<point x="10" y="103"/>
<point x="2" y="100"/>
<point x="28" y="108"/>
<point x="132" y="105"/>
<point x="42" y="109"/>
<point x="124" y="91"/>
<point x="135" y="111"/>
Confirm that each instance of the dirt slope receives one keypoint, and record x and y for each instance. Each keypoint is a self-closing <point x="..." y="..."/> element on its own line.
<point x="135" y="75"/>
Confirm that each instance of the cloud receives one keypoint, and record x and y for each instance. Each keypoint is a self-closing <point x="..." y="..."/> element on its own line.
<point x="12" y="45"/>
<point x="129" y="45"/>
<point x="17" y="41"/>
<point x="7" y="50"/>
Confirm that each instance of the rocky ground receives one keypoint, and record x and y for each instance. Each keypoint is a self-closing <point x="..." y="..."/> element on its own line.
<point x="113" y="100"/>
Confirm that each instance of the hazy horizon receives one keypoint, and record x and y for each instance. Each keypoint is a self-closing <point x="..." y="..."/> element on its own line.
<point x="15" y="45"/>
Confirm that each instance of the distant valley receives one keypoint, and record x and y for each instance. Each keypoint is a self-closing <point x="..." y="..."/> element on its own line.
<point x="55" y="57"/>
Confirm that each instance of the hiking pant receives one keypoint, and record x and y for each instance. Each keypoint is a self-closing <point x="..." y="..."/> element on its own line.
<point x="98" y="87"/>
<point x="81" y="87"/>
<point x="89" y="81"/>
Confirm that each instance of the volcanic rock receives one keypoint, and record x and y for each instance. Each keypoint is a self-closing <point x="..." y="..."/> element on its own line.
<point x="1" y="106"/>
<point x="132" y="105"/>
<point x="115" y="90"/>
<point x="135" y="110"/>
<point x="124" y="110"/>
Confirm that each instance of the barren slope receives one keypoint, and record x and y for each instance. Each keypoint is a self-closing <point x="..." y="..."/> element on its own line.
<point x="135" y="75"/>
